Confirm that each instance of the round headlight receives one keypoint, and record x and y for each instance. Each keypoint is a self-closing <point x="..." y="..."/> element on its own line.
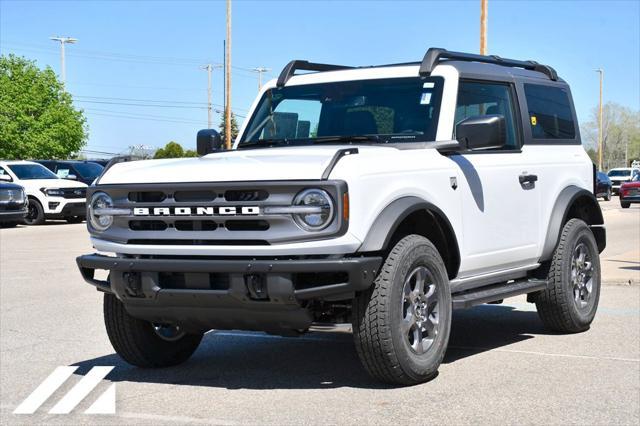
<point x="321" y="216"/>
<point x="101" y="222"/>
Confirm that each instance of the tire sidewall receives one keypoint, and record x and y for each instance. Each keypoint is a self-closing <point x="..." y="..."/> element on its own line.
<point x="580" y="233"/>
<point x="420" y="254"/>
<point x="39" y="219"/>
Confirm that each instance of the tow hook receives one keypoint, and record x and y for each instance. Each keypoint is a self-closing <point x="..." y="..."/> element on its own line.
<point x="256" y="286"/>
<point x="133" y="284"/>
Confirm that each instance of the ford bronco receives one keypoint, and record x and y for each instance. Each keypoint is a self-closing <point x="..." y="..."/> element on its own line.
<point x="384" y="197"/>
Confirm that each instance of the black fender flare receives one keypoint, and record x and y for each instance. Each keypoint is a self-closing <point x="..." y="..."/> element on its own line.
<point x="384" y="226"/>
<point x="559" y="215"/>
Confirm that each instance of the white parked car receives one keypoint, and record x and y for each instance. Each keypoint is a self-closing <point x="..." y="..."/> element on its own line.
<point x="384" y="197"/>
<point x="50" y="197"/>
<point x="621" y="175"/>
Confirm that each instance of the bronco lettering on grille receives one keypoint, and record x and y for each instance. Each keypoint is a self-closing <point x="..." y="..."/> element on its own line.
<point x="197" y="211"/>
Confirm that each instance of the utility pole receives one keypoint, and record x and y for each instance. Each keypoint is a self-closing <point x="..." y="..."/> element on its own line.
<point x="209" y="68"/>
<point x="483" y="27"/>
<point x="63" y="41"/>
<point x="260" y="70"/>
<point x="600" y="147"/>
<point x="227" y="115"/>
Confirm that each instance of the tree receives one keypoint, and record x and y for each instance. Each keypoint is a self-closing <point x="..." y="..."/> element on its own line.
<point x="170" y="150"/>
<point x="620" y="135"/>
<point x="234" y="127"/>
<point x="37" y="118"/>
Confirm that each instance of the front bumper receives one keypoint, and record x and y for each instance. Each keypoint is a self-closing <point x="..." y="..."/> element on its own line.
<point x="68" y="209"/>
<point x="201" y="294"/>
<point x="12" y="215"/>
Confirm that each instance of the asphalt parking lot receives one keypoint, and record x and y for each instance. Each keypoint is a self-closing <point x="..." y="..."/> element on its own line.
<point x="502" y="365"/>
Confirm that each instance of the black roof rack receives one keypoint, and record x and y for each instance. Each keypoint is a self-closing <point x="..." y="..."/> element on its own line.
<point x="293" y="66"/>
<point x="434" y="55"/>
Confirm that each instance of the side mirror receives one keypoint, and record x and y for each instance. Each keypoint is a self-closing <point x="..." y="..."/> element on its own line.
<point x="208" y="141"/>
<point x="71" y="177"/>
<point x="482" y="132"/>
<point x="6" y="178"/>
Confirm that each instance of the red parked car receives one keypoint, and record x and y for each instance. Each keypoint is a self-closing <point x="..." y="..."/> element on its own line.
<point x="630" y="192"/>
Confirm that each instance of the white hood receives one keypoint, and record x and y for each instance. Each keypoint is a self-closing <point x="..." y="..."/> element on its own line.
<point x="37" y="184"/>
<point x="290" y="163"/>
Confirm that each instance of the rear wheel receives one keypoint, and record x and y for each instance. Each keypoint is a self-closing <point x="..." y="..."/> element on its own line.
<point x="570" y="303"/>
<point x="607" y="196"/>
<point x="401" y="324"/>
<point x="144" y="344"/>
<point x="35" y="213"/>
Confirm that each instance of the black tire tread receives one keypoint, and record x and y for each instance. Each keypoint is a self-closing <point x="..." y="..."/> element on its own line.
<point x="373" y="339"/>
<point x="553" y="303"/>
<point x="136" y="343"/>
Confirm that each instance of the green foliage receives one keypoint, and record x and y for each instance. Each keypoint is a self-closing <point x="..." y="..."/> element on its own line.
<point x="37" y="118"/>
<point x="234" y="127"/>
<point x="174" y="150"/>
<point x="170" y="150"/>
<point x="620" y="135"/>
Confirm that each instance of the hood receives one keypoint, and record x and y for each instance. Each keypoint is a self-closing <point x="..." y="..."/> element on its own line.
<point x="36" y="184"/>
<point x="290" y="163"/>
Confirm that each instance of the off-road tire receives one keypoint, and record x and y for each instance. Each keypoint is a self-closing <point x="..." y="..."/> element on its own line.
<point x="377" y="316"/>
<point x="137" y="342"/>
<point x="35" y="207"/>
<point x="556" y="305"/>
<point x="74" y="219"/>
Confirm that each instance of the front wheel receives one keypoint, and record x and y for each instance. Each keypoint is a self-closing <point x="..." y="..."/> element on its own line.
<point x="401" y="324"/>
<point x="570" y="303"/>
<point x="625" y="204"/>
<point x="144" y="344"/>
<point x="35" y="213"/>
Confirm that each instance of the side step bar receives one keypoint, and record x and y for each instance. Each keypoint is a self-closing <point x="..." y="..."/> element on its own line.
<point x="478" y="296"/>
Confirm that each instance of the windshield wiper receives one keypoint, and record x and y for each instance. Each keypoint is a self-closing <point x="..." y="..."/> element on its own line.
<point x="264" y="143"/>
<point x="352" y="138"/>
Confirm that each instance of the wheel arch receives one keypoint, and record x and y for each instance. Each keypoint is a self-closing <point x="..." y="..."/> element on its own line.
<point x="574" y="203"/>
<point x="413" y="215"/>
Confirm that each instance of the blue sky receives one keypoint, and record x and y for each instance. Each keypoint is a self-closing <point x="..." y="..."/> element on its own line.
<point x="135" y="69"/>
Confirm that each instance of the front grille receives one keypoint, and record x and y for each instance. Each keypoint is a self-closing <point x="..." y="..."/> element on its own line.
<point x="74" y="193"/>
<point x="231" y="213"/>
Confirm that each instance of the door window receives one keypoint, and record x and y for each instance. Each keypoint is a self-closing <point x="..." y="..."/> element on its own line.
<point x="484" y="98"/>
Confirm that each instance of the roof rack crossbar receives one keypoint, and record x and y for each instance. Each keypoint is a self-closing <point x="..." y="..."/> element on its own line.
<point x="293" y="66"/>
<point x="435" y="55"/>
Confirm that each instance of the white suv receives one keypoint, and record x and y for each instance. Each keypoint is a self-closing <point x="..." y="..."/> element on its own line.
<point x="621" y="175"/>
<point x="49" y="196"/>
<point x="385" y="197"/>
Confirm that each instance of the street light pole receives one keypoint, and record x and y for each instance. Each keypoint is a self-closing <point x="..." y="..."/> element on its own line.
<point x="227" y="111"/>
<point x="63" y="41"/>
<point x="260" y="70"/>
<point x="209" y="68"/>
<point x="483" y="27"/>
<point x="600" y="147"/>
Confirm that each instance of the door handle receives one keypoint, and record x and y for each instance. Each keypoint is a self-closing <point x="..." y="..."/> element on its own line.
<point x="527" y="179"/>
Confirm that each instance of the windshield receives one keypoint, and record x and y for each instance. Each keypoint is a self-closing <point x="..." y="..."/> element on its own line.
<point x="623" y="173"/>
<point x="88" y="170"/>
<point x="31" y="171"/>
<point x="382" y="110"/>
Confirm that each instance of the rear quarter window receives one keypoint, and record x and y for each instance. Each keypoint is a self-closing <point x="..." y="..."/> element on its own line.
<point x="550" y="113"/>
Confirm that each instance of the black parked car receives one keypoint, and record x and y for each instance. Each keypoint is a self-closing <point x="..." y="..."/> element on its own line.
<point x="82" y="171"/>
<point x="13" y="204"/>
<point x="603" y="186"/>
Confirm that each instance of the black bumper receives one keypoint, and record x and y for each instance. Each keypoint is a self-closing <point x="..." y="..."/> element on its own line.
<point x="70" y="210"/>
<point x="212" y="293"/>
<point x="12" y="215"/>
